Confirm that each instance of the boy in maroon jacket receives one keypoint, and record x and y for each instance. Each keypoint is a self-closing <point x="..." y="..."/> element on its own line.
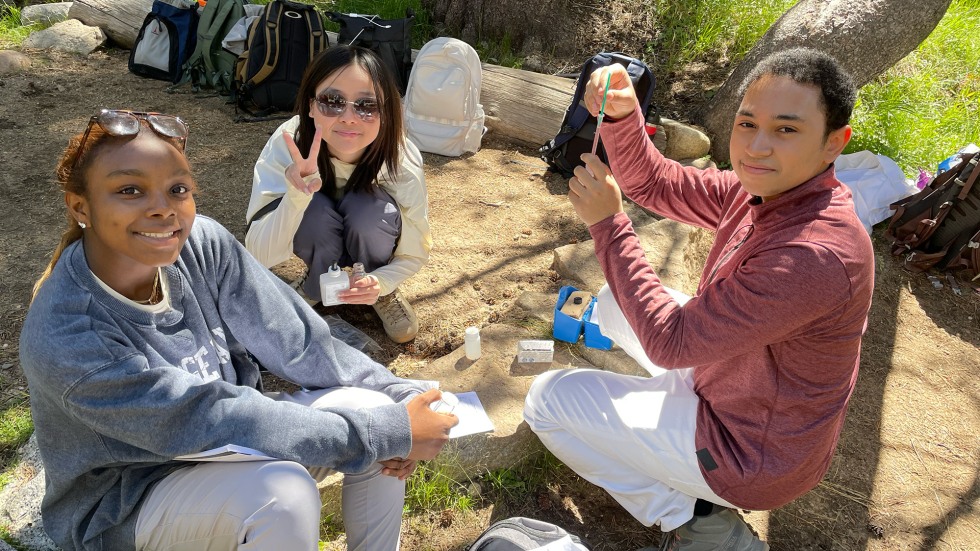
<point x="751" y="376"/>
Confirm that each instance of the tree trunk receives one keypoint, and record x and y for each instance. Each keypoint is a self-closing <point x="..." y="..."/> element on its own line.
<point x="545" y="26"/>
<point x="867" y="37"/>
<point x="120" y="19"/>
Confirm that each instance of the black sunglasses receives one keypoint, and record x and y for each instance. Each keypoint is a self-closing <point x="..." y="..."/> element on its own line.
<point x="117" y="122"/>
<point x="334" y="105"/>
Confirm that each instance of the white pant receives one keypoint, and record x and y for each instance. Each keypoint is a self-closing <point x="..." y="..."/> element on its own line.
<point x="271" y="505"/>
<point x="632" y="436"/>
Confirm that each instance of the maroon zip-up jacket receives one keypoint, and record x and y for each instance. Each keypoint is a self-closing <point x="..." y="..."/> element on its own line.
<point x="774" y="331"/>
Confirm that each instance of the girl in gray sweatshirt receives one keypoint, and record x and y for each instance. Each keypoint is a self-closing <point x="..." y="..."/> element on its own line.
<point x="143" y="343"/>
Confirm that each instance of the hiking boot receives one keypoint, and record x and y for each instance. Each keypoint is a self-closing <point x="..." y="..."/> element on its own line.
<point x="722" y="530"/>
<point x="397" y="316"/>
<point x="297" y="286"/>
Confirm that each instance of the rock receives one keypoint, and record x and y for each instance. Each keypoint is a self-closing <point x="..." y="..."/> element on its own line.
<point x="70" y="36"/>
<point x="683" y="141"/>
<point x="501" y="384"/>
<point x="667" y="248"/>
<point x="660" y="139"/>
<point x="5" y="547"/>
<point x="45" y="14"/>
<point x="20" y="501"/>
<point x="702" y="163"/>
<point x="13" y="62"/>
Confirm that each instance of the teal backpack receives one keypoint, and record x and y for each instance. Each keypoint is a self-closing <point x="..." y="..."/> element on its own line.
<point x="211" y="66"/>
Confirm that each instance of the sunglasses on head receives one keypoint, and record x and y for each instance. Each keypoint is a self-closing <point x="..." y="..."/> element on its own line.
<point x="334" y="105"/>
<point x="127" y="123"/>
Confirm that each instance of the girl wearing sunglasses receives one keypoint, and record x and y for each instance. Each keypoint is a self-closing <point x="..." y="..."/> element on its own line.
<point x="340" y="183"/>
<point x="140" y="346"/>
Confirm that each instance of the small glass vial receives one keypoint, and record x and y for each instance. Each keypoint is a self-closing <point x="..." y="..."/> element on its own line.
<point x="333" y="281"/>
<point x="471" y="343"/>
<point x="446" y="404"/>
<point x="357" y="271"/>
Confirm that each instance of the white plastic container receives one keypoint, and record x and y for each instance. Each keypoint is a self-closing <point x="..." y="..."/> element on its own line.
<point x="471" y="343"/>
<point x="535" y="351"/>
<point x="332" y="282"/>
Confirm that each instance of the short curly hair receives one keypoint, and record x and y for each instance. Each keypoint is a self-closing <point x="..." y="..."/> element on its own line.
<point x="816" y="68"/>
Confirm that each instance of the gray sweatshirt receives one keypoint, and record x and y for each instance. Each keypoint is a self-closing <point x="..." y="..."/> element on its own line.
<point x="117" y="393"/>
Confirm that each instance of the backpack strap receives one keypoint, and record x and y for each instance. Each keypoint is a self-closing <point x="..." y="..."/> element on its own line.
<point x="273" y="22"/>
<point x="266" y="209"/>
<point x="317" y="36"/>
<point x="224" y="9"/>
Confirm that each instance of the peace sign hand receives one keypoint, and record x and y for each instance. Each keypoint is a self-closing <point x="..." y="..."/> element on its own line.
<point x="304" y="174"/>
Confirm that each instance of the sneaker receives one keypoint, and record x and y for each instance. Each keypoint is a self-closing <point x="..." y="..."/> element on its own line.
<point x="397" y="316"/>
<point x="722" y="530"/>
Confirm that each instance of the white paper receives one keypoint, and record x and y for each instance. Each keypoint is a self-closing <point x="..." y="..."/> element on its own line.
<point x="230" y="453"/>
<point x="472" y="417"/>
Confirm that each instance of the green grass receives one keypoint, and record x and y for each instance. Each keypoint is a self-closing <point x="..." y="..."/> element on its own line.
<point x="10" y="539"/>
<point x="705" y="30"/>
<point x="11" y="31"/>
<point x="515" y="483"/>
<point x="432" y="488"/>
<point x="16" y="427"/>
<point x="330" y="530"/>
<point x="925" y="107"/>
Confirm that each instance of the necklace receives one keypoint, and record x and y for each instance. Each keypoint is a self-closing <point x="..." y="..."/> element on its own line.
<point x="154" y="298"/>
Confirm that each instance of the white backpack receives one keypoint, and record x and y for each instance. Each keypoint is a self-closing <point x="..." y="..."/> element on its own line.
<point x="443" y="114"/>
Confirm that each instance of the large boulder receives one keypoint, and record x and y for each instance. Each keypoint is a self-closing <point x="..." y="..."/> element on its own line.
<point x="12" y="61"/>
<point x="45" y="14"/>
<point x="667" y="247"/>
<point x="20" y="501"/>
<point x="684" y="141"/>
<point x="68" y="36"/>
<point x="866" y="37"/>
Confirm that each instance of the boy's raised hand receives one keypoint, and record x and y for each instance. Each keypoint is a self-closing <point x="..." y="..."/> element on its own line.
<point x="299" y="173"/>
<point x="593" y="191"/>
<point x="621" y="100"/>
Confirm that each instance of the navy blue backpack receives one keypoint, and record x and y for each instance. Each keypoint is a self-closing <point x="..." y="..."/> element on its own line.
<point x="578" y="126"/>
<point x="166" y="39"/>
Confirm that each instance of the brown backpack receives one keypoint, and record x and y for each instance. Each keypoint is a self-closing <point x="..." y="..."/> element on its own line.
<point x="939" y="227"/>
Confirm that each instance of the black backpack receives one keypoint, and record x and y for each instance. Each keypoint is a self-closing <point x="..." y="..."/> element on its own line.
<point x="280" y="44"/>
<point x="391" y="39"/>
<point x="522" y="534"/>
<point x="939" y="227"/>
<point x="578" y="126"/>
<point x="165" y="40"/>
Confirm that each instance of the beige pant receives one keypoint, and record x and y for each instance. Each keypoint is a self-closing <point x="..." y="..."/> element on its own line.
<point x="271" y="505"/>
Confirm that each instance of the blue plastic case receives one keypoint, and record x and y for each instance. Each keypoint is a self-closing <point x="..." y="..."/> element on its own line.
<point x="593" y="337"/>
<point x="566" y="328"/>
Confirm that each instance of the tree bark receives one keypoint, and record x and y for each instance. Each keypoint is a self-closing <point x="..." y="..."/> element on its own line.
<point x="867" y="37"/>
<point x="120" y="19"/>
<point x="545" y="26"/>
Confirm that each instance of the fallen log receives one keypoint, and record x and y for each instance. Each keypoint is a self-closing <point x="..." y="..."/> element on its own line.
<point x="524" y="106"/>
<point x="119" y="19"/>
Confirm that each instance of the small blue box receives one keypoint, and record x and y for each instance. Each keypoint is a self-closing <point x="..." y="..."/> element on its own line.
<point x="566" y="328"/>
<point x="593" y="337"/>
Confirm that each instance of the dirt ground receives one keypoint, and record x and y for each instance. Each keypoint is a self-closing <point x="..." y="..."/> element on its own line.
<point x="905" y="475"/>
